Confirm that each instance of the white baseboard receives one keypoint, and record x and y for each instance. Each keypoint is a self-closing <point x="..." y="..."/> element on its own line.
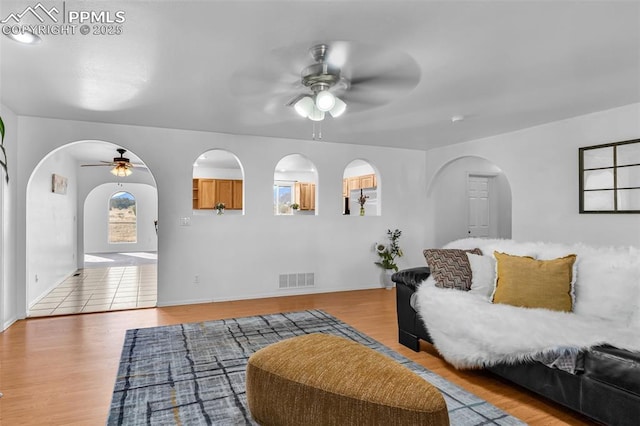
<point x="51" y="287"/>
<point x="265" y="295"/>
<point x="8" y="323"/>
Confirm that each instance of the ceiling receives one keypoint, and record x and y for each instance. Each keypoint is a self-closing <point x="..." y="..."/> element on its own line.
<point x="92" y="152"/>
<point x="230" y="66"/>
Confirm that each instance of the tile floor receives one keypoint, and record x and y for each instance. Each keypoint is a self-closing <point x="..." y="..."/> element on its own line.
<point x="101" y="289"/>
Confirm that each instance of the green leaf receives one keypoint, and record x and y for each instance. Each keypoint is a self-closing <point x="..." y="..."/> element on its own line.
<point x="2" y="130"/>
<point x="4" y="163"/>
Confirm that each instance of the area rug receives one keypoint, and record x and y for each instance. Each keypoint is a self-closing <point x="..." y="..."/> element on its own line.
<point x="194" y="374"/>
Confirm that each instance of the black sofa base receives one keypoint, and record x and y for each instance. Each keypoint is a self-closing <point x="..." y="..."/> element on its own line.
<point x="409" y="340"/>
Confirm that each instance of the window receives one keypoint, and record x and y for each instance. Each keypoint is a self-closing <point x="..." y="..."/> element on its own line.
<point x="122" y="218"/>
<point x="282" y="197"/>
<point x="610" y="178"/>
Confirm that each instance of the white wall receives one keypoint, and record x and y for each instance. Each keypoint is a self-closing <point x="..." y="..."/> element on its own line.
<point x="216" y="173"/>
<point x="541" y="164"/>
<point x="9" y="311"/>
<point x="51" y="226"/>
<point x="358" y="170"/>
<point x="448" y="197"/>
<point x="241" y="256"/>
<point x="96" y="218"/>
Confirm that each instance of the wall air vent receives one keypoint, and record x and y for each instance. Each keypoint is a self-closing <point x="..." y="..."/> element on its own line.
<point x="303" y="279"/>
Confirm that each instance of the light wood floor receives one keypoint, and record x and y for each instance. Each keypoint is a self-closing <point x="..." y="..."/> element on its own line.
<point x="61" y="370"/>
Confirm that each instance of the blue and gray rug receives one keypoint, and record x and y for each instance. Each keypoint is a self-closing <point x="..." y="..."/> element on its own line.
<point x="194" y="374"/>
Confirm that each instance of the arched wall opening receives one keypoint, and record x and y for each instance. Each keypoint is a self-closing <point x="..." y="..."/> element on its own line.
<point x="295" y="181"/>
<point x="218" y="178"/>
<point x="465" y="192"/>
<point x="55" y="225"/>
<point x="361" y="189"/>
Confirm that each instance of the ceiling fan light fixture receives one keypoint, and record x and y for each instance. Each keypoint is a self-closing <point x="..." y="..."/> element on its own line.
<point x="316" y="115"/>
<point x="25" y="37"/>
<point x="121" y="171"/>
<point x="325" y="100"/>
<point x="304" y="106"/>
<point x="338" y="109"/>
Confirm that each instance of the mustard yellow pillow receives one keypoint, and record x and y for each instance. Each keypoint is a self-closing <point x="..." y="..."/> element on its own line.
<point x="530" y="283"/>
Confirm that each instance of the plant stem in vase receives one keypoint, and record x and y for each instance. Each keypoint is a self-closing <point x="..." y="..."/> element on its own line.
<point x="361" y="200"/>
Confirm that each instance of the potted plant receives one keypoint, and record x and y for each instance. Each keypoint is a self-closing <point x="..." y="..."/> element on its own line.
<point x="3" y="164"/>
<point x="295" y="207"/>
<point x="388" y="253"/>
<point x="220" y="207"/>
<point x="361" y="200"/>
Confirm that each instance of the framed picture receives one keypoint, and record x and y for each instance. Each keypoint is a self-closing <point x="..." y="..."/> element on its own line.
<point x="58" y="184"/>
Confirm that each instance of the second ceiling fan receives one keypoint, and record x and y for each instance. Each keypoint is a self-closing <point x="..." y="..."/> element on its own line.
<point x="120" y="166"/>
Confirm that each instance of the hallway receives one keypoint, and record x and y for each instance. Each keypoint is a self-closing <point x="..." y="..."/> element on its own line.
<point x="109" y="282"/>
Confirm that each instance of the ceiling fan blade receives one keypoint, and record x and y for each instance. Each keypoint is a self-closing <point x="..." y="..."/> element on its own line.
<point x="95" y="165"/>
<point x="384" y="82"/>
<point x="339" y="53"/>
<point x="253" y="82"/>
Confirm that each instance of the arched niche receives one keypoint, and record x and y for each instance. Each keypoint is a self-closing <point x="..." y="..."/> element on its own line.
<point x="360" y="179"/>
<point x="218" y="177"/>
<point x="469" y="196"/>
<point x="295" y="180"/>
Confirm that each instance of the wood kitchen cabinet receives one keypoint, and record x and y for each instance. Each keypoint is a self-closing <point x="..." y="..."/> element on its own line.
<point x="358" y="182"/>
<point x="354" y="183"/>
<point x="204" y="193"/>
<point x="305" y="195"/>
<point x="224" y="192"/>
<point x="368" y="181"/>
<point x="208" y="192"/>
<point x="237" y="194"/>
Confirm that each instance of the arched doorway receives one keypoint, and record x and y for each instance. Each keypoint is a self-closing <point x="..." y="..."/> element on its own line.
<point x="59" y="281"/>
<point x="469" y="196"/>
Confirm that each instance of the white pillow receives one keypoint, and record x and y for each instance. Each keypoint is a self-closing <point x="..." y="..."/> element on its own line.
<point x="608" y="286"/>
<point x="483" y="275"/>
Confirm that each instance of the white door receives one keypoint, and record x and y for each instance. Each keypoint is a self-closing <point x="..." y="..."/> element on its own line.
<point x="479" y="206"/>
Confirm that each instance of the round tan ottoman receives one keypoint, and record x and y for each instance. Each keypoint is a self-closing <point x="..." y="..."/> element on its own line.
<point x="321" y="379"/>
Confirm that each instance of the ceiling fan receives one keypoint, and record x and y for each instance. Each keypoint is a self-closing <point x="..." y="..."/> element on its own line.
<point x="340" y="76"/>
<point x="344" y="74"/>
<point x="121" y="166"/>
<point x="323" y="79"/>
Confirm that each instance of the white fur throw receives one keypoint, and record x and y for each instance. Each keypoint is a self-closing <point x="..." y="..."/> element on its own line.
<point x="469" y="331"/>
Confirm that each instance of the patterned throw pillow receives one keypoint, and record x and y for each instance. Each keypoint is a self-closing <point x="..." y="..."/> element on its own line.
<point x="450" y="267"/>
